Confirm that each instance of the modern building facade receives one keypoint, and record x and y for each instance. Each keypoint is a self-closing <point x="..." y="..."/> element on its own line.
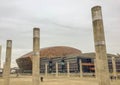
<point x="62" y="55"/>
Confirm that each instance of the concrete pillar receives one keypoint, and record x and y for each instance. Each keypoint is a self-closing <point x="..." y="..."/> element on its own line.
<point x="114" y="67"/>
<point x="6" y="71"/>
<point x="0" y="55"/>
<point x="81" y="70"/>
<point x="46" y="69"/>
<point x="100" y="47"/>
<point x="36" y="57"/>
<point x="68" y="69"/>
<point x="95" y="66"/>
<point x="56" y="69"/>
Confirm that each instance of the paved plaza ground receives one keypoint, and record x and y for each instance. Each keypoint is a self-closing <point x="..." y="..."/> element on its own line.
<point x="27" y="80"/>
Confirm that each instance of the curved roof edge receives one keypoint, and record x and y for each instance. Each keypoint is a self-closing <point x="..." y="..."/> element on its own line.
<point x="92" y="55"/>
<point x="53" y="50"/>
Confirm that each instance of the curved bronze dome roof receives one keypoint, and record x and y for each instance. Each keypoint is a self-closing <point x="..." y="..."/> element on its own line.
<point x="57" y="51"/>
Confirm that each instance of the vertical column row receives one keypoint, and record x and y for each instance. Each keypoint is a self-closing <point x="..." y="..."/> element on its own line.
<point x="6" y="71"/>
<point x="100" y="47"/>
<point x="36" y="57"/>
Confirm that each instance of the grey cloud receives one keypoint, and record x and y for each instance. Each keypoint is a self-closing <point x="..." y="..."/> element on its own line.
<point x="62" y="22"/>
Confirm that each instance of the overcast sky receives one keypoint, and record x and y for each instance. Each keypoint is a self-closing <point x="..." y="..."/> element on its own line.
<point x="61" y="23"/>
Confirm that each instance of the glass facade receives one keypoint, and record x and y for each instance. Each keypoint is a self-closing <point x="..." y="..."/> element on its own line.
<point x="25" y="64"/>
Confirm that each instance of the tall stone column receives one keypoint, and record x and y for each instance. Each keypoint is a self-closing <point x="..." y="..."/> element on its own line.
<point x="114" y="67"/>
<point x="81" y="70"/>
<point x="68" y="69"/>
<point x="36" y="57"/>
<point x="0" y="55"/>
<point x="46" y="69"/>
<point x="6" y="71"/>
<point x="100" y="47"/>
<point x="56" y="69"/>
